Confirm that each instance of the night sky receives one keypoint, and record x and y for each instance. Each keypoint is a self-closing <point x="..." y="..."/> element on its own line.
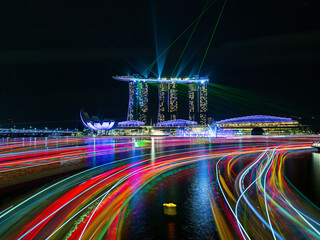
<point x="58" y="57"/>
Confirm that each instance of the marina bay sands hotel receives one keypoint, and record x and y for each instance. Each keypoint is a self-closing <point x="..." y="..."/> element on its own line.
<point x="168" y="97"/>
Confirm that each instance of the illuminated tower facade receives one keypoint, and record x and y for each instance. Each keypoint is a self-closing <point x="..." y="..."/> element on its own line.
<point x="132" y="101"/>
<point x="198" y="102"/>
<point x="203" y="102"/>
<point x="168" y="101"/>
<point x="192" y="96"/>
<point x="173" y="101"/>
<point x="163" y="106"/>
<point x="138" y="101"/>
<point x="143" y="101"/>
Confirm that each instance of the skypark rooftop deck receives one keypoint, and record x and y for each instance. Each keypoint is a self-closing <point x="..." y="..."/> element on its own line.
<point x="162" y="80"/>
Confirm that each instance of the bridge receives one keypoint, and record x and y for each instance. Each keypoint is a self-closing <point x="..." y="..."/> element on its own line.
<point x="13" y="132"/>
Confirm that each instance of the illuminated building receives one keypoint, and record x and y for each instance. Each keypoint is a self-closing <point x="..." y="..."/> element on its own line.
<point x="138" y="101"/>
<point x="176" y="123"/>
<point x="95" y="124"/>
<point x="143" y="101"/>
<point x="270" y="125"/>
<point x="168" y="98"/>
<point x="173" y="100"/>
<point x="163" y="106"/>
<point x="203" y="102"/>
<point x="192" y="95"/>
<point x="198" y="102"/>
<point x="131" y="123"/>
<point x="132" y="100"/>
<point x="168" y="101"/>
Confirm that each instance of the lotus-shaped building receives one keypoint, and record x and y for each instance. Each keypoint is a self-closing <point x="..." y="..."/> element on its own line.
<point x="95" y="124"/>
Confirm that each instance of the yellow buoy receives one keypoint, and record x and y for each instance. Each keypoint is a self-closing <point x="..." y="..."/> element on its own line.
<point x="170" y="209"/>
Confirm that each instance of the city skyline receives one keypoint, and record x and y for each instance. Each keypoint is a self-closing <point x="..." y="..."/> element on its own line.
<point x="160" y="120"/>
<point x="49" y="73"/>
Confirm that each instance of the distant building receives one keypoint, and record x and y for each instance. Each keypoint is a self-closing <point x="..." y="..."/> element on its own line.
<point x="258" y="124"/>
<point x="168" y="101"/>
<point x="198" y="102"/>
<point x="95" y="124"/>
<point x="138" y="101"/>
<point x="168" y="98"/>
<point x="177" y="123"/>
<point x="130" y="124"/>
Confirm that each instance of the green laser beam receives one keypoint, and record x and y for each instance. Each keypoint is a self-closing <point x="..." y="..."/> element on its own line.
<point x="214" y="30"/>
<point x="253" y="100"/>
<point x="196" y="25"/>
<point x="151" y="65"/>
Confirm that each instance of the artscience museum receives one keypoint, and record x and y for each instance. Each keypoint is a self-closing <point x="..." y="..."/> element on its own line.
<point x="95" y="124"/>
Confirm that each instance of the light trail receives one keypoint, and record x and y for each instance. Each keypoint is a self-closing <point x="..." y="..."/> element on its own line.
<point x="265" y="196"/>
<point x="91" y="203"/>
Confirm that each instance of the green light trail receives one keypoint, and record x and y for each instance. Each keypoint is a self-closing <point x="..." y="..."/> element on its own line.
<point x="195" y="27"/>
<point x="214" y="30"/>
<point x="151" y="65"/>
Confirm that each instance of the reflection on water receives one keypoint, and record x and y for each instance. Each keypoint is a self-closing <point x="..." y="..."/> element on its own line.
<point x="172" y="231"/>
<point x="316" y="173"/>
<point x="153" y="150"/>
<point x="302" y="170"/>
<point x="189" y="189"/>
<point x="198" y="205"/>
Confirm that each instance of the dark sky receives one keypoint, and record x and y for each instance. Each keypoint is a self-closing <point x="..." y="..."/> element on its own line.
<point x="57" y="57"/>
